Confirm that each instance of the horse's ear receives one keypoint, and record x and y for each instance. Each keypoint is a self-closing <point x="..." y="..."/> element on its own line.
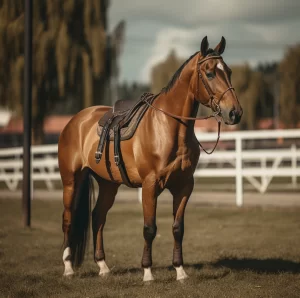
<point x="204" y="46"/>
<point x="220" y="48"/>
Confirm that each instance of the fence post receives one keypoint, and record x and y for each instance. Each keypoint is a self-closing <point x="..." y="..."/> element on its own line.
<point x="264" y="178"/>
<point x="239" y="174"/>
<point x="294" y="165"/>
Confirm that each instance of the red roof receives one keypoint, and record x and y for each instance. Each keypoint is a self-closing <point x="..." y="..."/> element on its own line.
<point x="52" y="124"/>
<point x="55" y="124"/>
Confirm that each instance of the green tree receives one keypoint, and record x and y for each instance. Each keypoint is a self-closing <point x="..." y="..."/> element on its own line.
<point x="69" y="54"/>
<point x="250" y="89"/>
<point x="290" y="87"/>
<point x="162" y="72"/>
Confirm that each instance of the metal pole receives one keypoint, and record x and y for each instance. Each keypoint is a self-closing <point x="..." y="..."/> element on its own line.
<point x="27" y="115"/>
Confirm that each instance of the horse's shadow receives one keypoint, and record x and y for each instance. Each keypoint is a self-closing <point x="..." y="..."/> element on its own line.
<point x="256" y="265"/>
<point x="259" y="266"/>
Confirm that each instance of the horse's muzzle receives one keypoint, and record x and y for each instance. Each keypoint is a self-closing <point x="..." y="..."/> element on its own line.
<point x="233" y="116"/>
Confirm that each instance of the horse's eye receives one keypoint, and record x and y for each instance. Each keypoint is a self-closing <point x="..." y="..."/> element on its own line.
<point x="210" y="75"/>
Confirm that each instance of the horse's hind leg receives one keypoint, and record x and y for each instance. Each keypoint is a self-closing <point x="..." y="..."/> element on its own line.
<point x="68" y="195"/>
<point x="106" y="198"/>
<point x="71" y="186"/>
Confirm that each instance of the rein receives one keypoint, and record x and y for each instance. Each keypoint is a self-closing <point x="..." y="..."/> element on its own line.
<point x="216" y="113"/>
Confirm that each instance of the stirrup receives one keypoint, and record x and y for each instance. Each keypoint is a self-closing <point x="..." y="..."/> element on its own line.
<point x="98" y="156"/>
<point x="117" y="159"/>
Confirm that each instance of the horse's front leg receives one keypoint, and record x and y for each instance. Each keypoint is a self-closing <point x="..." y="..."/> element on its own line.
<point x="149" y="196"/>
<point x="180" y="198"/>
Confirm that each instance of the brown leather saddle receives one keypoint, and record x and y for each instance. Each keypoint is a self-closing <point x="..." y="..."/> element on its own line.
<point x="119" y="124"/>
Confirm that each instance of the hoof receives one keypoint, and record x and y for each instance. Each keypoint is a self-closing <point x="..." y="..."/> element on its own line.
<point x="181" y="275"/>
<point x="183" y="280"/>
<point x="104" y="270"/>
<point x="104" y="273"/>
<point x="68" y="275"/>
<point x="148" y="277"/>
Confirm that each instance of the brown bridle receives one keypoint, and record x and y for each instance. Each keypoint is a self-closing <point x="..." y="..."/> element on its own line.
<point x="216" y="113"/>
<point x="208" y="90"/>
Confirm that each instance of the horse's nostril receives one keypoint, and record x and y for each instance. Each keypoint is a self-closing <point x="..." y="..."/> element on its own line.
<point x="232" y="115"/>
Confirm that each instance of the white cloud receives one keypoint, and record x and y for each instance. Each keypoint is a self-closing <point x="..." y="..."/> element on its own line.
<point x="257" y="30"/>
<point x="282" y="32"/>
<point x="166" y="40"/>
<point x="195" y="12"/>
<point x="182" y="40"/>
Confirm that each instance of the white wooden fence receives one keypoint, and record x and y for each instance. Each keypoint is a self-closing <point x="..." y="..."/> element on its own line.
<point x="44" y="165"/>
<point x="256" y="166"/>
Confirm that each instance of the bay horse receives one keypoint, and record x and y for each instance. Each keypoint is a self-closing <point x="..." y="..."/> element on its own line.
<point x="163" y="153"/>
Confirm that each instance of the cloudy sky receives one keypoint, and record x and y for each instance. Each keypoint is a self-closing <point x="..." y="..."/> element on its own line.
<point x="255" y="30"/>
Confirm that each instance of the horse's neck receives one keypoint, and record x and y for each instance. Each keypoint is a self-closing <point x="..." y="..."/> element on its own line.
<point x="179" y="100"/>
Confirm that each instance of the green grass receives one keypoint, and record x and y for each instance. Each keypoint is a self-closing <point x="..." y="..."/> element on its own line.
<point x="228" y="252"/>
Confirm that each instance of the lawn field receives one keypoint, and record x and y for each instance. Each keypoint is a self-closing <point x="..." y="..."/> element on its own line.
<point x="228" y="252"/>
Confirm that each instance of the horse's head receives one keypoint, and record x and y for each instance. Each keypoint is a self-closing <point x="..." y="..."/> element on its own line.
<point x="212" y="83"/>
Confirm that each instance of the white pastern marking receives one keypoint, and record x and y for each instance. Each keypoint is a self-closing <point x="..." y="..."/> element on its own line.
<point x="68" y="265"/>
<point x="180" y="273"/>
<point x="220" y="66"/>
<point x="67" y="252"/>
<point x="104" y="270"/>
<point x="148" y="274"/>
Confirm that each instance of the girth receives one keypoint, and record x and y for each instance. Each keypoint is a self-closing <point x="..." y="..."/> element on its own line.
<point x="118" y="124"/>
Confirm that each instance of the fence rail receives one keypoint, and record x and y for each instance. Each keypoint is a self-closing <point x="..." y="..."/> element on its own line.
<point x="257" y="166"/>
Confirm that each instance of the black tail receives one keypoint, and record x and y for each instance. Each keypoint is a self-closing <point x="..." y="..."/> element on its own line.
<point x="80" y="218"/>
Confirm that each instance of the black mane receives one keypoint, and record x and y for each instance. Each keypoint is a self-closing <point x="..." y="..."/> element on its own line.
<point x="177" y="74"/>
<point x="210" y="52"/>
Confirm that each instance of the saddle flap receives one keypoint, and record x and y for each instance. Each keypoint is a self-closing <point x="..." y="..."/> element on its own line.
<point x="127" y="121"/>
<point x="121" y="106"/>
<point x="105" y="117"/>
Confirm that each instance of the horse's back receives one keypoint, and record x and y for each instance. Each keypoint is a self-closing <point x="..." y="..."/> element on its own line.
<point x="85" y="118"/>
